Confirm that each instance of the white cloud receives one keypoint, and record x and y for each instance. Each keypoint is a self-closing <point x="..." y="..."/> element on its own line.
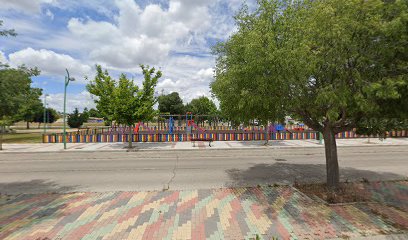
<point x="181" y="75"/>
<point x="49" y="14"/>
<point x="3" y="58"/>
<point x="206" y="74"/>
<point x="173" y="37"/>
<point x="27" y="6"/>
<point x="80" y="101"/>
<point x="141" y="35"/>
<point x="49" y="62"/>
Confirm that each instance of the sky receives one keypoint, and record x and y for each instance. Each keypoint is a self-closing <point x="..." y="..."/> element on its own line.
<point x="174" y="36"/>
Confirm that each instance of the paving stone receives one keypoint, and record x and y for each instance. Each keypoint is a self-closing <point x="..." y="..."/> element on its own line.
<point x="239" y="213"/>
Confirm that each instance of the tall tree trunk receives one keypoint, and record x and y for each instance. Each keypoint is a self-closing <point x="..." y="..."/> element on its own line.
<point x="28" y="125"/>
<point x="130" y="138"/>
<point x="1" y="137"/>
<point x="332" y="163"/>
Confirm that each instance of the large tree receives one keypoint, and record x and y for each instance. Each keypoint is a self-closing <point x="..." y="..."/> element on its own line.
<point x="127" y="103"/>
<point x="31" y="106"/>
<point x="171" y="103"/>
<point x="15" y="89"/>
<point x="51" y="116"/>
<point x="202" y="106"/>
<point x="329" y="63"/>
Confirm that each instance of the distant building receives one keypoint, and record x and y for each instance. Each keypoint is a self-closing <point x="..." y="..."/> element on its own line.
<point x="95" y="120"/>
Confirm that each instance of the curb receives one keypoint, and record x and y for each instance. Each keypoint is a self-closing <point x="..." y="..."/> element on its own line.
<point x="196" y="149"/>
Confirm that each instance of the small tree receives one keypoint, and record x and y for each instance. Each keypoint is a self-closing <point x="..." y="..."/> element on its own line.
<point x="127" y="103"/>
<point x="75" y="120"/>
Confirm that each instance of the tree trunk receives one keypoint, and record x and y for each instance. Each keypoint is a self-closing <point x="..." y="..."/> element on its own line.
<point x="28" y="125"/>
<point x="266" y="132"/>
<point x="130" y="140"/>
<point x="332" y="163"/>
<point x="1" y="138"/>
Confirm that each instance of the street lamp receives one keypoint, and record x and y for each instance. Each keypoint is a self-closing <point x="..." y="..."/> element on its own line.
<point x="67" y="80"/>
<point x="45" y="112"/>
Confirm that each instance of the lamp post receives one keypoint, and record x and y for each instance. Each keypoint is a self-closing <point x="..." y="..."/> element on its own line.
<point x="45" y="112"/>
<point x="67" y="80"/>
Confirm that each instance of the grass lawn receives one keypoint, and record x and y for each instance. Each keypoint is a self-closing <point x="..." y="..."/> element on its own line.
<point x="22" y="138"/>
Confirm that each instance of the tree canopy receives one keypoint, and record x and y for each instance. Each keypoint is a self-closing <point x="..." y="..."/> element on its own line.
<point x="202" y="106"/>
<point x="76" y="119"/>
<point x="329" y="63"/>
<point x="102" y="87"/>
<point x="31" y="106"/>
<point x="51" y="115"/>
<point x="171" y="103"/>
<point x="16" y="92"/>
<point x="123" y="101"/>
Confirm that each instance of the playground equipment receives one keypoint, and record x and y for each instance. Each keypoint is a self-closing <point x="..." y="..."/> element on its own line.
<point x="193" y="124"/>
<point x="141" y="124"/>
<point x="171" y="125"/>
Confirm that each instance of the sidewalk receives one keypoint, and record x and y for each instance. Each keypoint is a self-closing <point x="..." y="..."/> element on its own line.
<point x="241" y="213"/>
<point x="58" y="147"/>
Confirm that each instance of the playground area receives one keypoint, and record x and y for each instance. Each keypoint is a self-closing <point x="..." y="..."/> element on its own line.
<point x="192" y="131"/>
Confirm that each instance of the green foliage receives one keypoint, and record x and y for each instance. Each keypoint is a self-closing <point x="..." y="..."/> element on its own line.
<point x="31" y="105"/>
<point x="103" y="87"/>
<point x="171" y="103"/>
<point x="76" y="120"/>
<point x="147" y="100"/>
<point x="15" y="89"/>
<point x="51" y="115"/>
<point x="94" y="113"/>
<point x="122" y="101"/>
<point x="16" y="93"/>
<point x="8" y="32"/>
<point x="329" y="63"/>
<point x="85" y="115"/>
<point x="126" y="101"/>
<point x="319" y="61"/>
<point x="202" y="106"/>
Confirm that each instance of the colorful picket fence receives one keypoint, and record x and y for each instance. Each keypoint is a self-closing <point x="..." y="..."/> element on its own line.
<point x="74" y="137"/>
<point x="156" y="129"/>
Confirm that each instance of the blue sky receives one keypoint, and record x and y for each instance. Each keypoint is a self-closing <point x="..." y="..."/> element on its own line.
<point x="172" y="35"/>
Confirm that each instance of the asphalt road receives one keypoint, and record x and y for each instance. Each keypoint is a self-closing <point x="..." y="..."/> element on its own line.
<point x="134" y="171"/>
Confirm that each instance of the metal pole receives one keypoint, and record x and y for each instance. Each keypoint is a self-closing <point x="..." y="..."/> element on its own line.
<point x="67" y="79"/>
<point x="45" y="109"/>
<point x="45" y="113"/>
<point x="65" y="115"/>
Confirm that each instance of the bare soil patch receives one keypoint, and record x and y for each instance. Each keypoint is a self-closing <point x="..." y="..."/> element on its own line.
<point x="346" y="193"/>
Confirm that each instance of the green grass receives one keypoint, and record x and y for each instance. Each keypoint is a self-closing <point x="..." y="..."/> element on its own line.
<point x="22" y="138"/>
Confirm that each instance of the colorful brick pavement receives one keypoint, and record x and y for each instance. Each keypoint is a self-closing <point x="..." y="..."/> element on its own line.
<point x="240" y="213"/>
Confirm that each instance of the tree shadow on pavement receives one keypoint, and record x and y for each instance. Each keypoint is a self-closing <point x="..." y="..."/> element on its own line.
<point x="34" y="187"/>
<point x="285" y="173"/>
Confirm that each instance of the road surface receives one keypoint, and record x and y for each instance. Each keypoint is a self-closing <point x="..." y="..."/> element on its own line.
<point x="179" y="170"/>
